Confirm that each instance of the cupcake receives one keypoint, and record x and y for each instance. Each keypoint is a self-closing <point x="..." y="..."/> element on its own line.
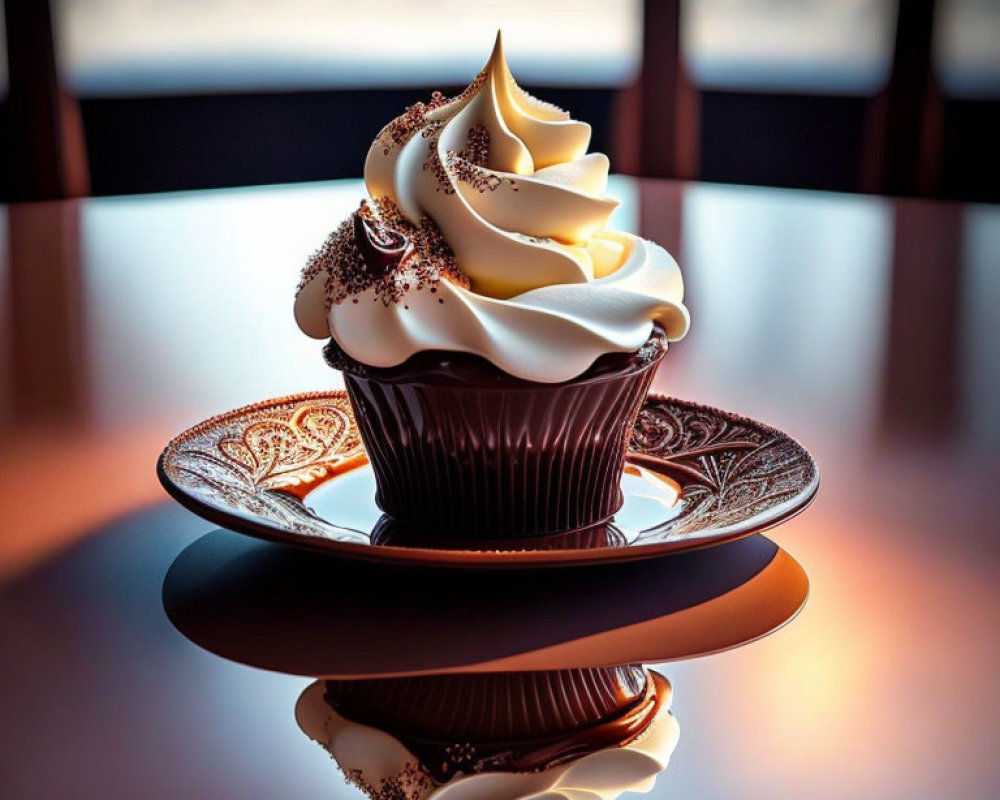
<point x="496" y="338"/>
<point x="562" y="733"/>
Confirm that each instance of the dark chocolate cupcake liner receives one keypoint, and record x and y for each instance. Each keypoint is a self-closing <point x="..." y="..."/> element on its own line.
<point x="489" y="462"/>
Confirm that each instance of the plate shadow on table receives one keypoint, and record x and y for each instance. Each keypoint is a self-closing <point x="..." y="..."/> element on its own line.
<point x="288" y="610"/>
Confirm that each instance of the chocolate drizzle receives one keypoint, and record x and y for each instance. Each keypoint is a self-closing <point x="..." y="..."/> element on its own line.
<point x="381" y="248"/>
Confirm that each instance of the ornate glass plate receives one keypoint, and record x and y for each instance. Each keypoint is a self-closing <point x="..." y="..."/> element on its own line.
<point x="294" y="470"/>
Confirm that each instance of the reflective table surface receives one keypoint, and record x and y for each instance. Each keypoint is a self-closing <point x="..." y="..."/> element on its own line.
<point x="867" y="328"/>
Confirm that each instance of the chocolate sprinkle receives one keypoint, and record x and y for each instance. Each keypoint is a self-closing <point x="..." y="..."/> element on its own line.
<point x="467" y="165"/>
<point x="379" y="248"/>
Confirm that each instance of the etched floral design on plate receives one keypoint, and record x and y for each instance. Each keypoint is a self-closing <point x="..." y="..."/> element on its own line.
<point x="262" y="460"/>
<point x="732" y="469"/>
<point x="737" y="475"/>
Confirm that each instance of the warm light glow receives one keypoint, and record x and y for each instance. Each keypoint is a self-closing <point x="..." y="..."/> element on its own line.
<point x="869" y="692"/>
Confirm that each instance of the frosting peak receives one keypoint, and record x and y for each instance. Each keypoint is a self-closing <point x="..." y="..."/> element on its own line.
<point x="507" y="180"/>
<point x="529" y="277"/>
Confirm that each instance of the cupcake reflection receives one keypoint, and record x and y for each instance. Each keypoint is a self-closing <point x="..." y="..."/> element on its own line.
<point x="389" y="532"/>
<point x="587" y="734"/>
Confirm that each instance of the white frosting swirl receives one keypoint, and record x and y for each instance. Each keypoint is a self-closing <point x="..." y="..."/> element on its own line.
<point x="551" y="288"/>
<point x="376" y="758"/>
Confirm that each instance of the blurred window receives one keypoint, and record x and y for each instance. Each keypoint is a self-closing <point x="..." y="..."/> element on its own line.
<point x="822" y="46"/>
<point x="3" y="51"/>
<point x="980" y="323"/>
<point x="967" y="47"/>
<point x="176" y="46"/>
<point x="764" y="236"/>
<point x="6" y="329"/>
